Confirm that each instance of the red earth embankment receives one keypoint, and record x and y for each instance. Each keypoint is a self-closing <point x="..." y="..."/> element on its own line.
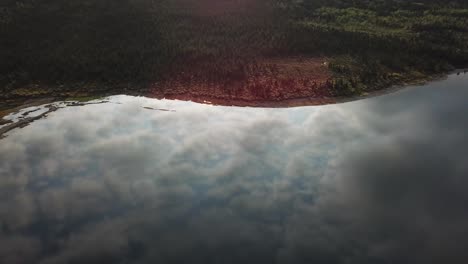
<point x="264" y="82"/>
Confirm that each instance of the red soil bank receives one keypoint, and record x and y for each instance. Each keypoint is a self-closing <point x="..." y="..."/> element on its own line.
<point x="266" y="82"/>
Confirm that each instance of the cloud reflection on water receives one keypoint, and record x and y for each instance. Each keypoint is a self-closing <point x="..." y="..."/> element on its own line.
<point x="375" y="181"/>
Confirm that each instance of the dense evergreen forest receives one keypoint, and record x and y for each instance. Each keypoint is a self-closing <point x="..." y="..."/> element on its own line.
<point x="57" y="46"/>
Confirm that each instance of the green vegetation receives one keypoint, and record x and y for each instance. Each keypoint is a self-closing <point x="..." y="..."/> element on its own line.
<point x="135" y="43"/>
<point x="387" y="42"/>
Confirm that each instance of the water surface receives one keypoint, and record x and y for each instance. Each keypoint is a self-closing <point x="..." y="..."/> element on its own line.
<point x="138" y="180"/>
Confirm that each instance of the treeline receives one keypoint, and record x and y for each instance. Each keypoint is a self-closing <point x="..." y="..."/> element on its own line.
<point x="371" y="43"/>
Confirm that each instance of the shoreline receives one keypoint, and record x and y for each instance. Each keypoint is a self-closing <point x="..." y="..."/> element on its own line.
<point x="306" y="101"/>
<point x="78" y="95"/>
<point x="8" y="125"/>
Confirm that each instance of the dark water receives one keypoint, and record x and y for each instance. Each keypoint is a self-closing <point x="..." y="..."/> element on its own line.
<point x="381" y="180"/>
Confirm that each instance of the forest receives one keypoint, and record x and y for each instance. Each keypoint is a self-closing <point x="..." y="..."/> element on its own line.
<point x="244" y="49"/>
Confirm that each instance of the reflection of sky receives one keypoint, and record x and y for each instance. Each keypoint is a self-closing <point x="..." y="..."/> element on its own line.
<point x="381" y="180"/>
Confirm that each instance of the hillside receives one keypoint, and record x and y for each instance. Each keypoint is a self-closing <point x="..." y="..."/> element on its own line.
<point x="244" y="50"/>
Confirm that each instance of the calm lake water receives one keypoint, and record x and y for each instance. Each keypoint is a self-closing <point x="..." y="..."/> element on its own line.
<point x="138" y="180"/>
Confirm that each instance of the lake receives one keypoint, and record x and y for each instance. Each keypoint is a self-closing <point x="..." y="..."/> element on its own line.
<point x="138" y="180"/>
